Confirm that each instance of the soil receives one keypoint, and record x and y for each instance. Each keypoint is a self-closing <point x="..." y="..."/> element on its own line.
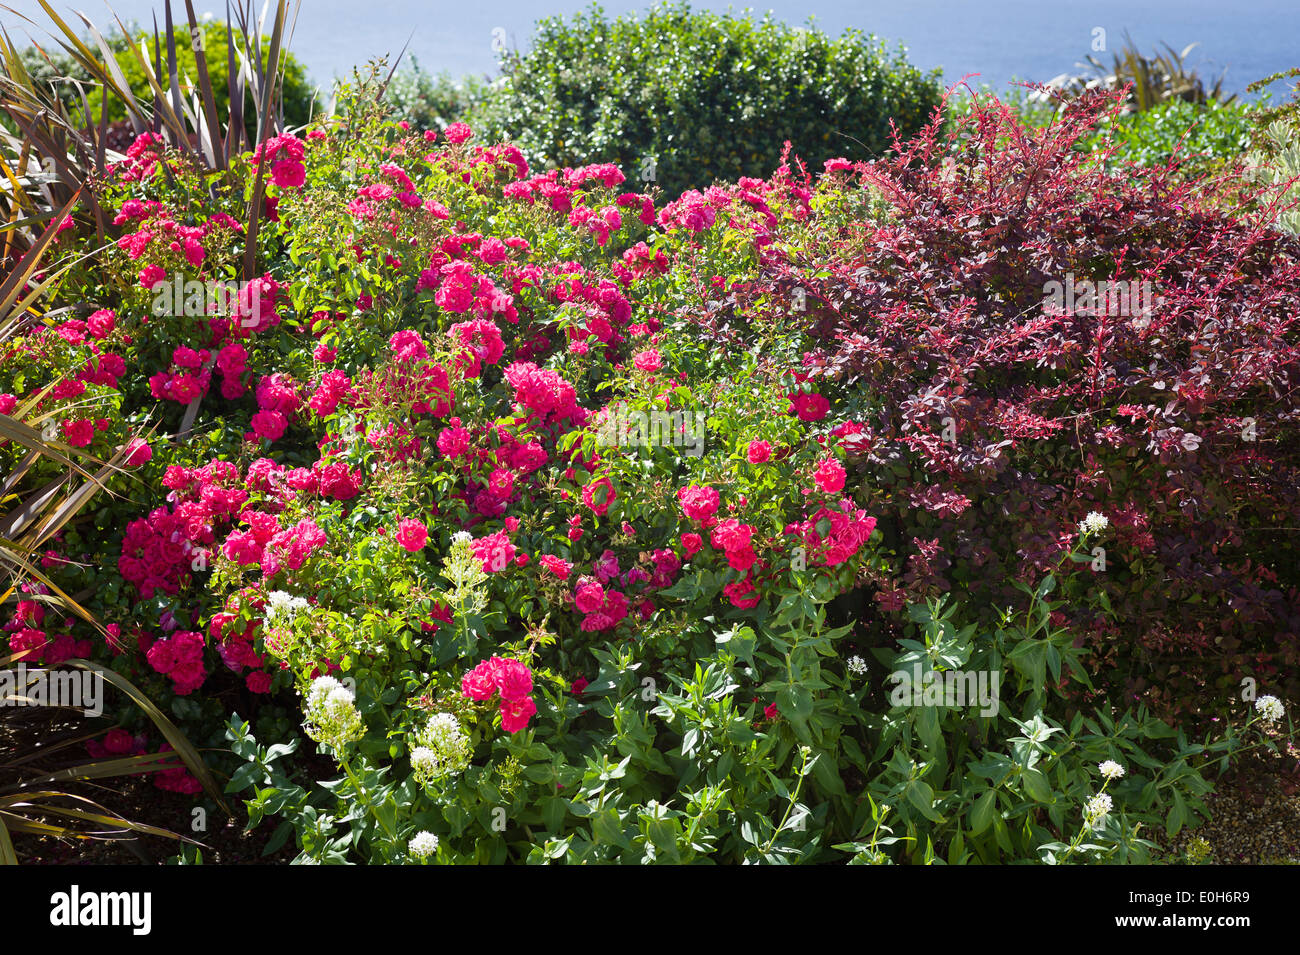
<point x="23" y="732"/>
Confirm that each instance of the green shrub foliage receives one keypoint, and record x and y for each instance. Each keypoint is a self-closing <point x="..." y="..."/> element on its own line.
<point x="702" y="96"/>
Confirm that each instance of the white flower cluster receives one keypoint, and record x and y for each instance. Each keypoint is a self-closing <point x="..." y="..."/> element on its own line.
<point x="1270" y="708"/>
<point x="423" y="844"/>
<point x="442" y="751"/>
<point x="857" y="666"/>
<point x="425" y="762"/>
<point x="1111" y="769"/>
<point x="281" y="604"/>
<point x="467" y="576"/>
<point x="1094" y="523"/>
<point x="1097" y="809"/>
<point x="332" y="715"/>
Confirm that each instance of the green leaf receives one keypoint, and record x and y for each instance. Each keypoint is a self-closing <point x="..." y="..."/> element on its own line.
<point x="1036" y="785"/>
<point x="539" y="772"/>
<point x="1178" y="815"/>
<point x="553" y="812"/>
<point x="1030" y="658"/>
<point x="920" y="795"/>
<point x="982" y="813"/>
<point x="243" y="777"/>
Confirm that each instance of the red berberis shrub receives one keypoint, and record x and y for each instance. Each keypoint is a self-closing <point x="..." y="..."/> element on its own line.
<point x="999" y="405"/>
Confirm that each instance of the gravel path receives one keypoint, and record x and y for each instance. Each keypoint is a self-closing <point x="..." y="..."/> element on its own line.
<point x="1254" y="813"/>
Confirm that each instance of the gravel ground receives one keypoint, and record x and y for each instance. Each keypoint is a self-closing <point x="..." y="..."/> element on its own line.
<point x="1254" y="813"/>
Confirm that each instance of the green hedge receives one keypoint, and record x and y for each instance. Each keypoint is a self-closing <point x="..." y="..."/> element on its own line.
<point x="707" y="96"/>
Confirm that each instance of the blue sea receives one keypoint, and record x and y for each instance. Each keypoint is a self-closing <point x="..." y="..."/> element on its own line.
<point x="1001" y="40"/>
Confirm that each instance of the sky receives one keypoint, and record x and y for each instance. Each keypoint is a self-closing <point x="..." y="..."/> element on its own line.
<point x="998" y="39"/>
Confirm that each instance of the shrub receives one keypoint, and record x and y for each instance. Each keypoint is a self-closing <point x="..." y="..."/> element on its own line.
<point x="57" y="73"/>
<point x="1147" y="81"/>
<point x="995" y="414"/>
<point x="1274" y="163"/>
<point x="1032" y="103"/>
<point x="1287" y="111"/>
<point x="702" y="95"/>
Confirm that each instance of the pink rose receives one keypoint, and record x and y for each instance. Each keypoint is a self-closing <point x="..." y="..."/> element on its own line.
<point x="830" y="476"/>
<point x="479" y="683"/>
<point x="270" y="425"/>
<point x="457" y="133"/>
<point x="259" y="682"/>
<point x="151" y="275"/>
<point x="811" y="407"/>
<point x="514" y="680"/>
<point x="556" y="565"/>
<point x="589" y="596"/>
<point x="407" y="346"/>
<point x="79" y="433"/>
<point x="691" y="543"/>
<point x="100" y="324"/>
<point x="597" y="499"/>
<point x="515" y="714"/>
<point x="496" y="551"/>
<point x="453" y="442"/>
<point x="288" y="174"/>
<point x="137" y="452"/>
<point x="412" y="535"/>
<point x="698" y="503"/>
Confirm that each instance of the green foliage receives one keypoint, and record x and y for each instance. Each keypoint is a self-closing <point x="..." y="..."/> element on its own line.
<point x="1277" y="167"/>
<point x="692" y="772"/>
<point x="1010" y="781"/>
<point x="705" y="96"/>
<point x="729" y="713"/>
<point x="1275" y="160"/>
<point x="63" y="128"/>
<point x="299" y="95"/>
<point x="1288" y="111"/>
<point x="432" y="100"/>
<point x="1200" y="135"/>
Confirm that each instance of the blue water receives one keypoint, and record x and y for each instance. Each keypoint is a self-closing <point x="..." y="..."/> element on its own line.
<point x="1001" y="40"/>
